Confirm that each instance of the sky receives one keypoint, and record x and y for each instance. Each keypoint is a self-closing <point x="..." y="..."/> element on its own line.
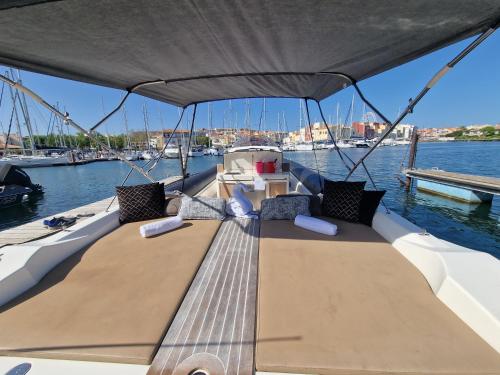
<point x="468" y="94"/>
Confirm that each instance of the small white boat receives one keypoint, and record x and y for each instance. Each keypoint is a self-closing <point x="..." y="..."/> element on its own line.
<point x="303" y="146"/>
<point x="131" y="155"/>
<point x="172" y="152"/>
<point x="340" y="144"/>
<point x="196" y="151"/>
<point x="214" y="151"/>
<point x="148" y="155"/>
<point x="361" y="144"/>
<point x="35" y="161"/>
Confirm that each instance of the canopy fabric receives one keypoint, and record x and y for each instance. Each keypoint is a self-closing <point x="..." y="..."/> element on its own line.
<point x="258" y="48"/>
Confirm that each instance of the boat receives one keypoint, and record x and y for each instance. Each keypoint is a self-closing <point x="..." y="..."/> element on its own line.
<point x="215" y="151"/>
<point x="172" y="152"/>
<point x="16" y="186"/>
<point x="131" y="155"/>
<point x="402" y="142"/>
<point x="196" y="151"/>
<point x="148" y="155"/>
<point x="361" y="144"/>
<point x="33" y="161"/>
<point x="244" y="295"/>
<point x="340" y="144"/>
<point x="303" y="146"/>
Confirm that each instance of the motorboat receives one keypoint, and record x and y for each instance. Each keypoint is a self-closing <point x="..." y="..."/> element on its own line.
<point x="340" y="144"/>
<point x="361" y="144"/>
<point x="172" y="152"/>
<point x="16" y="186"/>
<point x="148" y="155"/>
<point x="215" y="151"/>
<point x="244" y="294"/>
<point x="303" y="146"/>
<point x="196" y="151"/>
<point x="288" y="147"/>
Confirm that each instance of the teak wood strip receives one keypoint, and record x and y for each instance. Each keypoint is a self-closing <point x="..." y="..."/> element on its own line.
<point x="214" y="328"/>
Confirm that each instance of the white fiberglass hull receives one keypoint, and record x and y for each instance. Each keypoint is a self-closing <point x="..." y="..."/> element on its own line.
<point x="195" y="153"/>
<point x="172" y="153"/>
<point x="304" y="147"/>
<point x="36" y="161"/>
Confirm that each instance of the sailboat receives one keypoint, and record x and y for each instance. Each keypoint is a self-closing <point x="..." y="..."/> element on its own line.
<point x="292" y="291"/>
<point x="302" y="145"/>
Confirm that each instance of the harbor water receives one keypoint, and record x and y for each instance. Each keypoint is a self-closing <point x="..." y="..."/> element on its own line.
<point x="474" y="226"/>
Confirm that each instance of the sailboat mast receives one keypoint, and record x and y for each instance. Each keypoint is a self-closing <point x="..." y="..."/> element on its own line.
<point x="127" y="136"/>
<point x="146" y="120"/>
<point x="27" y="119"/>
<point x="209" y="112"/>
<point x="264" y="116"/>
<point x="16" y="115"/>
<point x="338" y="122"/>
<point x="352" y="116"/>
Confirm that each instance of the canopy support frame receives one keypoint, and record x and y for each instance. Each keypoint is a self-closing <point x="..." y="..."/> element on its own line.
<point x="185" y="163"/>
<point x="320" y="180"/>
<point x="414" y="101"/>
<point x="65" y="117"/>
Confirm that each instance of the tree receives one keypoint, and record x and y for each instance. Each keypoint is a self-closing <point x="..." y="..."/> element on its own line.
<point x="488" y="131"/>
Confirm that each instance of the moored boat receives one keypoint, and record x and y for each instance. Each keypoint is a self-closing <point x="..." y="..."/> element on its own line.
<point x="16" y="186"/>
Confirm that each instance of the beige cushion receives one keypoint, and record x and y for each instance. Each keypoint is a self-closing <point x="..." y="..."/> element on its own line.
<point x="112" y="302"/>
<point x="351" y="304"/>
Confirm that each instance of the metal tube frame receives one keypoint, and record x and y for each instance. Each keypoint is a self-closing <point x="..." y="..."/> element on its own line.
<point x="413" y="102"/>
<point x="185" y="163"/>
<point x="312" y="141"/>
<point x="65" y="117"/>
<point x="350" y="80"/>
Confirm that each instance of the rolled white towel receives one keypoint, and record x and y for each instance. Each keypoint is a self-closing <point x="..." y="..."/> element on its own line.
<point x="245" y="203"/>
<point x="316" y="225"/>
<point x="233" y="207"/>
<point x="162" y="226"/>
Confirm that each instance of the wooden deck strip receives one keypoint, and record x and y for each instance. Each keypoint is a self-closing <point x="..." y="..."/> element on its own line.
<point x="35" y="229"/>
<point x="214" y="328"/>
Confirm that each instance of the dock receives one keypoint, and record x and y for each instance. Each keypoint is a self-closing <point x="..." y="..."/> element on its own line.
<point x="459" y="186"/>
<point x="35" y="230"/>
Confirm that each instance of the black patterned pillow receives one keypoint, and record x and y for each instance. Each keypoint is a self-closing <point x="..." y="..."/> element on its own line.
<point x="141" y="202"/>
<point x="284" y="208"/>
<point x="369" y="205"/>
<point x="342" y="199"/>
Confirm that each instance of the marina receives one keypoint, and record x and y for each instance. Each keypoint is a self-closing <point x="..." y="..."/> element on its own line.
<point x="473" y="226"/>
<point x="214" y="248"/>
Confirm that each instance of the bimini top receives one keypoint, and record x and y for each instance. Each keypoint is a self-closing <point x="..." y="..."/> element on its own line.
<point x="199" y="51"/>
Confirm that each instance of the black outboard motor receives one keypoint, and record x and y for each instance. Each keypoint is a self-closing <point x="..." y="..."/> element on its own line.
<point x="13" y="175"/>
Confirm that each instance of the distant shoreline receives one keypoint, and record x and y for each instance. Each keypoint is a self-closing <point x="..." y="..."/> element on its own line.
<point x="460" y="140"/>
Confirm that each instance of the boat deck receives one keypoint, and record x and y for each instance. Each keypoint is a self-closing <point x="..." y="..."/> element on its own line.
<point x="35" y="230"/>
<point x="214" y="328"/>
